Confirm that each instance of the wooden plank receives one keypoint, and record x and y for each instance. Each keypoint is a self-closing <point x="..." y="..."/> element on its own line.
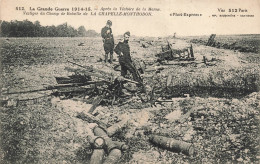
<point x="96" y="102"/>
<point x="91" y="119"/>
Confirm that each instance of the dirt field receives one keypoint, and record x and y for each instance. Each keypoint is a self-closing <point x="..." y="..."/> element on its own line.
<point x="223" y="95"/>
<point x="242" y="43"/>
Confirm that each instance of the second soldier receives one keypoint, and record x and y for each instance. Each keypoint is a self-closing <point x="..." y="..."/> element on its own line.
<point x="108" y="41"/>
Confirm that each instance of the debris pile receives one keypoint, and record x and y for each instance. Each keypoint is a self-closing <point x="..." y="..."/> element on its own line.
<point x="168" y="54"/>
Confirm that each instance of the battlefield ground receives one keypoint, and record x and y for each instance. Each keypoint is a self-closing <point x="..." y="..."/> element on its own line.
<point x="215" y="106"/>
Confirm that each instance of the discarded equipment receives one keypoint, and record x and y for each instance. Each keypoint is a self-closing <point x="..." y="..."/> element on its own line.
<point x="173" y="145"/>
<point x="97" y="156"/>
<point x="168" y="54"/>
<point x="112" y="148"/>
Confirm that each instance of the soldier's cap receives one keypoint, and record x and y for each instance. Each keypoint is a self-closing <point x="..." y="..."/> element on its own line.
<point x="127" y="33"/>
<point x="109" y="22"/>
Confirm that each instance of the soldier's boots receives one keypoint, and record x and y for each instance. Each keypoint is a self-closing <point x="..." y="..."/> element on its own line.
<point x="111" y="58"/>
<point x="106" y="58"/>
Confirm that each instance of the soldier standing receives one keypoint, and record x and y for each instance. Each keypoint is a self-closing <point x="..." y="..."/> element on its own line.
<point x="123" y="51"/>
<point x="108" y="41"/>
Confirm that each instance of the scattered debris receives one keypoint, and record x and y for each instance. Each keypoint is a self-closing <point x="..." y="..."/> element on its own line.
<point x="196" y="105"/>
<point x="168" y="54"/>
<point x="172" y="144"/>
<point x="81" y="44"/>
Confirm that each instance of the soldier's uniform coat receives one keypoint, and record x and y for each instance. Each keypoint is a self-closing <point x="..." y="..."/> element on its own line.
<point x="108" y="39"/>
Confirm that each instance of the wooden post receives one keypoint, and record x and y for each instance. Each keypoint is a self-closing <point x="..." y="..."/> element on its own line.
<point x="211" y="40"/>
<point x="169" y="47"/>
<point x="191" y="51"/>
<point x="188" y="53"/>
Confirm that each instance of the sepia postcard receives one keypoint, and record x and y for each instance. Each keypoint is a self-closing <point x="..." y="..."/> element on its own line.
<point x="129" y="81"/>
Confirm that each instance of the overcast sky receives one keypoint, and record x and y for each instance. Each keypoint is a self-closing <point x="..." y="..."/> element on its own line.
<point x="160" y="24"/>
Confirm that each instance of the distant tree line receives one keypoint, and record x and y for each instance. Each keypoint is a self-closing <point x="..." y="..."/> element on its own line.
<point x="26" y="28"/>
